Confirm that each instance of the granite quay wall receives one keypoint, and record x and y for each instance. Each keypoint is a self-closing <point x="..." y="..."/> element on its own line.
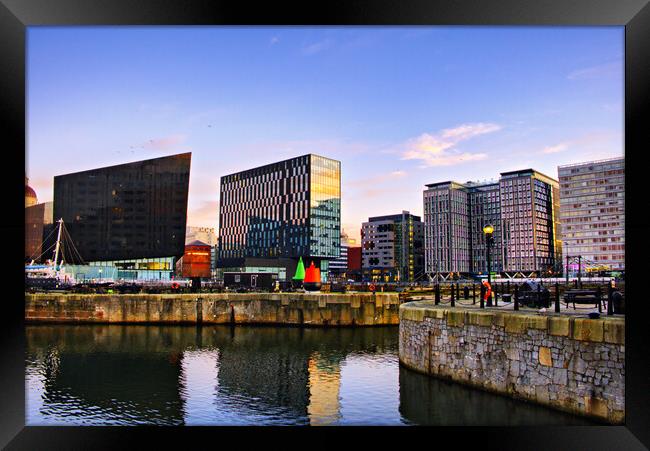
<point x="564" y="362"/>
<point x="216" y="308"/>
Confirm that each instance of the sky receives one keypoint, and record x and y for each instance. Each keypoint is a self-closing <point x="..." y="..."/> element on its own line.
<point x="400" y="107"/>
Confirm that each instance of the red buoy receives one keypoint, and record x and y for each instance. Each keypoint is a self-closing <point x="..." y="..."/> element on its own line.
<point x="312" y="278"/>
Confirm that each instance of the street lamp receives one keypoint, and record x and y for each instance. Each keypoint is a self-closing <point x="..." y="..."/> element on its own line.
<point x="488" y="230"/>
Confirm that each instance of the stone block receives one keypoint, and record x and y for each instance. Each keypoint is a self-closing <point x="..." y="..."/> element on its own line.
<point x="411" y="313"/>
<point x="614" y="332"/>
<point x="585" y="329"/>
<point x="515" y="324"/>
<point x="456" y="318"/>
<point x="480" y="318"/>
<point x="596" y="406"/>
<point x="560" y="326"/>
<point x="537" y="322"/>
<point x="545" y="356"/>
<point x="499" y="319"/>
<point x="436" y="313"/>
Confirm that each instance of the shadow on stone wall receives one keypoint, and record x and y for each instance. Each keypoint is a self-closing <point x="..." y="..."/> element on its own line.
<point x="427" y="400"/>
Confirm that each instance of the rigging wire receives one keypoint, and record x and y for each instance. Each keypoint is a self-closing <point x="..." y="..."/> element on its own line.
<point x="44" y="241"/>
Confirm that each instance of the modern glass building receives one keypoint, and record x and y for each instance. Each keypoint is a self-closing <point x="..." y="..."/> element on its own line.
<point x="592" y="210"/>
<point x="392" y="248"/>
<point x="271" y="215"/>
<point x="338" y="267"/>
<point x="523" y="208"/>
<point x="130" y="216"/>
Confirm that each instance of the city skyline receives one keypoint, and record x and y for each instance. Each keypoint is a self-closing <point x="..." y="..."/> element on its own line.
<point x="400" y="107"/>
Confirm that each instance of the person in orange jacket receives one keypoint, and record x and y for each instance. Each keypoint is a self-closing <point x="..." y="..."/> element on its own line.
<point x="488" y="290"/>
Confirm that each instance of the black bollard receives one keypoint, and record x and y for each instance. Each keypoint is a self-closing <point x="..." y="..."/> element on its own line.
<point x="598" y="294"/>
<point x="457" y="290"/>
<point x="575" y="283"/>
<point x="465" y="292"/>
<point x="610" y="293"/>
<point x="516" y="307"/>
<point x="453" y="303"/>
<point x="482" y="294"/>
<point x="539" y="295"/>
<point x="516" y="292"/>
<point x="437" y="301"/>
<point x="496" y="294"/>
<point x="557" y="297"/>
<point x="508" y="286"/>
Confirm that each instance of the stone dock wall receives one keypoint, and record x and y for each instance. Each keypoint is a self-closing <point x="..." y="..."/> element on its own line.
<point x="364" y="309"/>
<point x="568" y="363"/>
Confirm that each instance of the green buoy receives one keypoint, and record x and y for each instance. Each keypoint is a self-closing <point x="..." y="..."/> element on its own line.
<point x="300" y="271"/>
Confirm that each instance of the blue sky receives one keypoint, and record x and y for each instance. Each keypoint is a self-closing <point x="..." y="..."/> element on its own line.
<point x="398" y="106"/>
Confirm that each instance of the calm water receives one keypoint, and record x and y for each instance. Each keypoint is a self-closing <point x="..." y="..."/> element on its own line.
<point x="124" y="375"/>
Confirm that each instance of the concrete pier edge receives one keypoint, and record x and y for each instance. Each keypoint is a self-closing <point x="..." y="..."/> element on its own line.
<point x="305" y="309"/>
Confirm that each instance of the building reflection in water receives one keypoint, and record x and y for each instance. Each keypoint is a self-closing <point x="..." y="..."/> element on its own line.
<point x="172" y="375"/>
<point x="324" y="386"/>
<point x="199" y="382"/>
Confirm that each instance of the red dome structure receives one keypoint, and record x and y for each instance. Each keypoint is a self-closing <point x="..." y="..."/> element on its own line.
<point x="30" y="195"/>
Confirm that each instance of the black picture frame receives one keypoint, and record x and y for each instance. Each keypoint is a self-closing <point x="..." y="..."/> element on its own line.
<point x="16" y="15"/>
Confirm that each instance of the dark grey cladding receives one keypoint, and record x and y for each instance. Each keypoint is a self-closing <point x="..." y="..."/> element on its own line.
<point x="129" y="211"/>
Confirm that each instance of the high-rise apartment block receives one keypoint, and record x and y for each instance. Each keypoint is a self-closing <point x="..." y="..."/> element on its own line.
<point x="523" y="208"/>
<point x="592" y="211"/>
<point x="271" y="215"/>
<point x="392" y="248"/>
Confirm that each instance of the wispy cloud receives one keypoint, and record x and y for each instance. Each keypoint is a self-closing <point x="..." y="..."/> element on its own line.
<point x="439" y="149"/>
<point x="606" y="70"/>
<point x="167" y="143"/>
<point x="561" y="147"/>
<point x="317" y="47"/>
<point x="274" y="40"/>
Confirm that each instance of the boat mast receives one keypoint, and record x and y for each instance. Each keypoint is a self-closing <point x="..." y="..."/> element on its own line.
<point x="58" y="242"/>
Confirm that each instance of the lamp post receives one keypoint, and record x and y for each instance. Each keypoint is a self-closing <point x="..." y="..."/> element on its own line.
<point x="488" y="230"/>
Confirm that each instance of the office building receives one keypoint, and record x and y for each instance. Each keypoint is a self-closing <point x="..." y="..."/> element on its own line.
<point x="392" y="248"/>
<point x="272" y="215"/>
<point x="592" y="212"/>
<point x="339" y="266"/>
<point x="38" y="230"/>
<point x="130" y="216"/>
<point x="523" y="208"/>
<point x="530" y="215"/>
<point x="354" y="263"/>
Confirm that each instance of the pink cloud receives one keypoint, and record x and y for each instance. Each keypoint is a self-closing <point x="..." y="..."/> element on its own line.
<point x="438" y="149"/>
